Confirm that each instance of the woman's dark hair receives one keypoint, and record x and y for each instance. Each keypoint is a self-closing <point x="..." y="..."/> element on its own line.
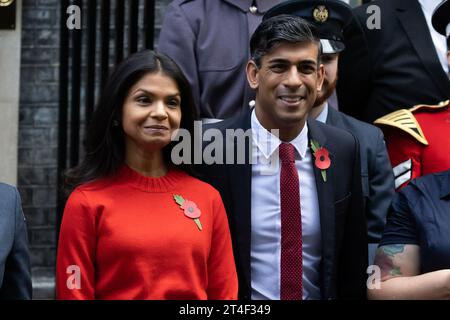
<point x="105" y="142"/>
<point x="278" y="29"/>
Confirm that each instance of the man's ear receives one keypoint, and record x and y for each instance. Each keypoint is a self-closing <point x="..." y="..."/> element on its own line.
<point x="320" y="77"/>
<point x="252" y="74"/>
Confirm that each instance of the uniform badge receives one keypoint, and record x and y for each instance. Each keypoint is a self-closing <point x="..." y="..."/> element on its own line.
<point x="320" y="14"/>
<point x="5" y="3"/>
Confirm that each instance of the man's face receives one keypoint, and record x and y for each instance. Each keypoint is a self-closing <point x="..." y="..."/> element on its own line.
<point x="286" y="85"/>
<point x="330" y="64"/>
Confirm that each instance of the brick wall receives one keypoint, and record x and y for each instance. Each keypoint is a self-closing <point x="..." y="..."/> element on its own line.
<point x="38" y="130"/>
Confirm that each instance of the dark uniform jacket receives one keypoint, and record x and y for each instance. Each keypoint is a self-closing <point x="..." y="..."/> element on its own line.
<point x="392" y="68"/>
<point x="418" y="141"/>
<point x="420" y="216"/>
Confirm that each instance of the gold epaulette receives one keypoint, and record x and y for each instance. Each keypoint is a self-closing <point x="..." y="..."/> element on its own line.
<point x="442" y="104"/>
<point x="404" y="120"/>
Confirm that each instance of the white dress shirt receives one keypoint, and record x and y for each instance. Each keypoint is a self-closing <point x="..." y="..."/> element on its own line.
<point x="439" y="40"/>
<point x="266" y="215"/>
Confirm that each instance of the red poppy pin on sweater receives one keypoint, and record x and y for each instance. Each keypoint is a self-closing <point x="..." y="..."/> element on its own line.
<point x="190" y="209"/>
<point x="322" y="157"/>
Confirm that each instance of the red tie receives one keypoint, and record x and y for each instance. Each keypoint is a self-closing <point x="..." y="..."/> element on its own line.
<point x="291" y="227"/>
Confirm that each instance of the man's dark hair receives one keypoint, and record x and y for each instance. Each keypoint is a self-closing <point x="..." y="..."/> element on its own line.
<point x="278" y="29"/>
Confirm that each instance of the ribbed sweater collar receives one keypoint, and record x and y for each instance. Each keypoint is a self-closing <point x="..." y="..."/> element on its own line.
<point x="150" y="184"/>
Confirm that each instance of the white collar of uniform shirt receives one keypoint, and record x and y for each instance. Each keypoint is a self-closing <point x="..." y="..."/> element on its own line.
<point x="439" y="41"/>
<point x="322" y="117"/>
<point x="267" y="143"/>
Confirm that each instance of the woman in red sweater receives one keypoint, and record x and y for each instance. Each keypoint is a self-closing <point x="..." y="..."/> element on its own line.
<point x="136" y="226"/>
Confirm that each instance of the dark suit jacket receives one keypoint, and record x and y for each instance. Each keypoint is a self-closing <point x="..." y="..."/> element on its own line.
<point x="376" y="171"/>
<point x="392" y="68"/>
<point x="15" y="276"/>
<point x="343" y="225"/>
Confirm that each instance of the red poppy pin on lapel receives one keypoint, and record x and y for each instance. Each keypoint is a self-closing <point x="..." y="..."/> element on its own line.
<point x="190" y="209"/>
<point x="322" y="157"/>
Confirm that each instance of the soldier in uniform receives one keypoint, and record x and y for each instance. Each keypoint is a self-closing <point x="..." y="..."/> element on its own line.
<point x="418" y="139"/>
<point x="330" y="18"/>
<point x="393" y="60"/>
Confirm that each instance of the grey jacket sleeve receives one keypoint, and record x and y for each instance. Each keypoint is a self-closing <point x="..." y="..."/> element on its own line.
<point x="177" y="39"/>
<point x="381" y="190"/>
<point x="17" y="277"/>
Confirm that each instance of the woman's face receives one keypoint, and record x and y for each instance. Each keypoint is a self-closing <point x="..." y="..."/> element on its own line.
<point x="151" y="112"/>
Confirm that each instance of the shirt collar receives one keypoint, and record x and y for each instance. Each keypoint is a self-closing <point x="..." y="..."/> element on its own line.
<point x="244" y="5"/>
<point x="430" y="5"/>
<point x="267" y="143"/>
<point x="322" y="117"/>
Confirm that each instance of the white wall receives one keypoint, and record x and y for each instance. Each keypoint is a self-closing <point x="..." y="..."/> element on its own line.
<point x="10" y="43"/>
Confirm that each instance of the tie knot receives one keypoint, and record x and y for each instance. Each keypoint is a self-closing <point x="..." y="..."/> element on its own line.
<point x="287" y="152"/>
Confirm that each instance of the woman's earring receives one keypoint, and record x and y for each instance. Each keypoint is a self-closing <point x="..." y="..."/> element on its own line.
<point x="115" y="123"/>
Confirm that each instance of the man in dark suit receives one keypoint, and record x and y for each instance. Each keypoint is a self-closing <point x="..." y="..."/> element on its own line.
<point x="395" y="66"/>
<point x="298" y="227"/>
<point x="15" y="278"/>
<point x="376" y="171"/>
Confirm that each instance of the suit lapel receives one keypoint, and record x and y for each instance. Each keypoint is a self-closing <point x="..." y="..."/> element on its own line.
<point x="409" y="12"/>
<point x="334" y="119"/>
<point x="325" y="196"/>
<point x="240" y="177"/>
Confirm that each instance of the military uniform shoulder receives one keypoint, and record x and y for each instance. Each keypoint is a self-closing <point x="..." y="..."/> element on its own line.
<point x="430" y="107"/>
<point x="405" y="119"/>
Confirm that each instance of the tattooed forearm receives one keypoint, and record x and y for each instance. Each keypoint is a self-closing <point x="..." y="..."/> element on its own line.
<point x="385" y="260"/>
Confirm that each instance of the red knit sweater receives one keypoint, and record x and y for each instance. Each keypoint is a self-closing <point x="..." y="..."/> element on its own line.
<point x="131" y="240"/>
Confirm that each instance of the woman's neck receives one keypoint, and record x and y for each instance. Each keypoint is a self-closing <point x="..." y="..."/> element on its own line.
<point x="146" y="162"/>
